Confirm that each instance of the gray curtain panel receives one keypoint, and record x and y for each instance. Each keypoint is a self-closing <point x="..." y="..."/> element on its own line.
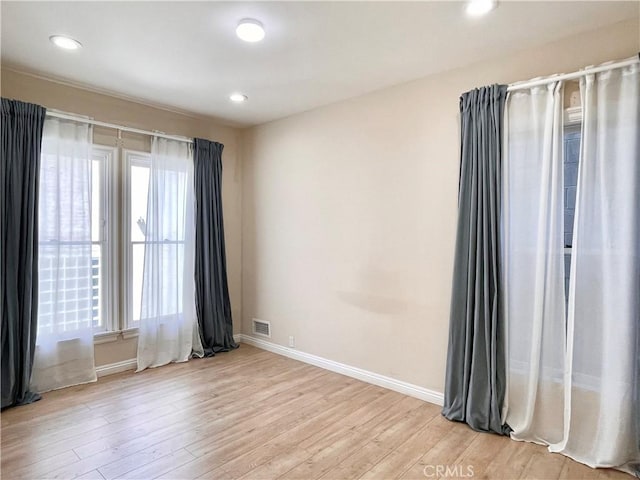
<point x="22" y="125"/>
<point x="475" y="379"/>
<point x="212" y="292"/>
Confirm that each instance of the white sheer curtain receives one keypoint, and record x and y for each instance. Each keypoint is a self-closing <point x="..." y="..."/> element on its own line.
<point x="601" y="418"/>
<point x="573" y="380"/>
<point x="64" y="346"/>
<point x="533" y="259"/>
<point x="168" y="326"/>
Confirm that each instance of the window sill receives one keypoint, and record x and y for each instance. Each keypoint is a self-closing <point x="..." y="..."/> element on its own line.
<point x="108" y="337"/>
<point x="105" y="337"/>
<point x="130" y="333"/>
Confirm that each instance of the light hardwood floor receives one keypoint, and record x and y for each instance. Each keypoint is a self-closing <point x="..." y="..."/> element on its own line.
<point x="252" y="414"/>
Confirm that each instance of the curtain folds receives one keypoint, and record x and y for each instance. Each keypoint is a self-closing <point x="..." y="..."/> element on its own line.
<point x="533" y="259"/>
<point x="602" y="382"/>
<point x="168" y="326"/>
<point x="475" y="377"/>
<point x="574" y="357"/>
<point x="22" y="125"/>
<point x="64" y="349"/>
<point x="212" y="291"/>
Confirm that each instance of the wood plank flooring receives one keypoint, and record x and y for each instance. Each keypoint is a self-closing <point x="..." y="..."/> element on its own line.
<point x="251" y="414"/>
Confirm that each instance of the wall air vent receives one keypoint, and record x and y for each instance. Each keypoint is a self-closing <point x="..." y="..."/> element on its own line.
<point x="262" y="327"/>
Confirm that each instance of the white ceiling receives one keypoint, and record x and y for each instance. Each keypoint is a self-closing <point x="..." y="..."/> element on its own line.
<point x="185" y="55"/>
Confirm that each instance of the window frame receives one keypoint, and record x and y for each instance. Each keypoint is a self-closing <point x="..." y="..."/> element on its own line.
<point x="572" y="124"/>
<point x="130" y="158"/>
<point x="108" y="156"/>
<point x="572" y="130"/>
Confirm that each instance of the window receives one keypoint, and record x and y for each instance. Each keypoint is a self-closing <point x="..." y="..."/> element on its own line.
<point x="116" y="236"/>
<point x="102" y="266"/>
<point x="137" y="189"/>
<point x="52" y="288"/>
<point x="94" y="247"/>
<point x="112" y="281"/>
<point x="166" y="244"/>
<point x="108" y="227"/>
<point x="571" y="160"/>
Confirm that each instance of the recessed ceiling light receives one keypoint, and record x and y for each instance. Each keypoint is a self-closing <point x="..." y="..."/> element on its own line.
<point x="250" y="30"/>
<point x="67" y="43"/>
<point x="238" y="97"/>
<point x="476" y="8"/>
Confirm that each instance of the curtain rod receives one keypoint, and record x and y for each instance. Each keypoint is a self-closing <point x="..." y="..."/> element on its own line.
<point x="574" y="75"/>
<point x="122" y="128"/>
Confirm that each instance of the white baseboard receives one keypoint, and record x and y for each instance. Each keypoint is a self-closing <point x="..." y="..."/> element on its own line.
<point x="131" y="364"/>
<point x="406" y="388"/>
<point x="117" y="367"/>
<point x="410" y="389"/>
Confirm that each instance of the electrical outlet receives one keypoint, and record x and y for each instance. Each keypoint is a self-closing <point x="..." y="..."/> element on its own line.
<point x="292" y="341"/>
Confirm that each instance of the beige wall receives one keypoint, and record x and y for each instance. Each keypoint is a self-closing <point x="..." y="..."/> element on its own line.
<point x="115" y="110"/>
<point x="349" y="213"/>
